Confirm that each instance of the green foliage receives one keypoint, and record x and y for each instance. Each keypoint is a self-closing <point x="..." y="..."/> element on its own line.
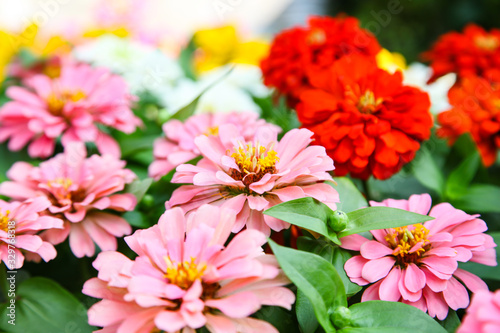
<point x="316" y="278"/>
<point x="43" y="306"/>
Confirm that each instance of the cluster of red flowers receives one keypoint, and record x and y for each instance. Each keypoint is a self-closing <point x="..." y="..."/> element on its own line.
<point x="369" y="123"/>
<point x="474" y="56"/>
<point x="476" y="110"/>
<point x="472" y="52"/>
<point x="296" y="51"/>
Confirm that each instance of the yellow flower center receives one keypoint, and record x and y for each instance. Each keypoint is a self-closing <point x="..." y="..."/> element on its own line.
<point x="367" y="102"/>
<point x="409" y="243"/>
<point x="488" y="42"/>
<point x="4" y="220"/>
<point x="184" y="274"/>
<point x="316" y="37"/>
<point x="56" y="102"/>
<point x="212" y="131"/>
<point x="253" y="162"/>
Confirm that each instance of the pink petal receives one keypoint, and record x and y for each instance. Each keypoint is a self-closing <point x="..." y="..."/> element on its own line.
<point x="376" y="269"/>
<point x="414" y="278"/>
<point x="473" y="282"/>
<point x="388" y="290"/>
<point x="456" y="295"/>
<point x="374" y="250"/>
<point x="239" y="305"/>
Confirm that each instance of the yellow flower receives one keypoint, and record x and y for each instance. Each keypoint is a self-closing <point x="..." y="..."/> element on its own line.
<point x="121" y="32"/>
<point x="220" y="46"/>
<point x="391" y="61"/>
<point x="10" y="44"/>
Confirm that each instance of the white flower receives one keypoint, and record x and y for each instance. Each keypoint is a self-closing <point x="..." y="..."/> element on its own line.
<point x="145" y="68"/>
<point x="417" y="75"/>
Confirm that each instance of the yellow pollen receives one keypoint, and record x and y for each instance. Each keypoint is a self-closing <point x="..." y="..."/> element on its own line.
<point x="253" y="162"/>
<point x="367" y="102"/>
<point x="213" y="131"/>
<point x="403" y="240"/>
<point x="185" y="273"/>
<point x="4" y="220"/>
<point x="488" y="42"/>
<point x="56" y="102"/>
<point x="60" y="188"/>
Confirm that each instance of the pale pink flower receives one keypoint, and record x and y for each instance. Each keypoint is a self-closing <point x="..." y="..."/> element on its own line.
<point x="19" y="223"/>
<point x="418" y="264"/>
<point x="185" y="277"/>
<point x="483" y="314"/>
<point x="178" y="146"/>
<point x="251" y="176"/>
<point x="70" y="106"/>
<point x="79" y="189"/>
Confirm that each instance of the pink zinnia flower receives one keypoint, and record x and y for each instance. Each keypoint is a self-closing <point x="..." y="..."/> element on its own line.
<point x="185" y="278"/>
<point x="178" y="147"/>
<point x="483" y="314"/>
<point x="79" y="189"/>
<point x="418" y="264"/>
<point x="250" y="176"/>
<point x="69" y="106"/>
<point x="19" y="223"/>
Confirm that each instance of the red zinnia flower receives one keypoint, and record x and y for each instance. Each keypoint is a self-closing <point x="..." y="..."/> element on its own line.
<point x="468" y="53"/>
<point x="367" y="120"/>
<point x="475" y="110"/>
<point x="323" y="41"/>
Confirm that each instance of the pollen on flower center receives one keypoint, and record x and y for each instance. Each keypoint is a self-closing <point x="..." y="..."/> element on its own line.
<point x="62" y="191"/>
<point x="183" y="274"/>
<point x="409" y="243"/>
<point x="4" y="220"/>
<point x="56" y="102"/>
<point x="212" y="131"/>
<point x="367" y="102"/>
<point x="253" y="162"/>
<point x="487" y="42"/>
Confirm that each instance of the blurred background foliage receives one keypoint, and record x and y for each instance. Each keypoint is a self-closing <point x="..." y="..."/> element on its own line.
<point x="418" y="23"/>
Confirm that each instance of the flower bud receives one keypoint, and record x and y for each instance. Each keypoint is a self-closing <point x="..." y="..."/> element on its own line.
<point x="338" y="221"/>
<point x="341" y="317"/>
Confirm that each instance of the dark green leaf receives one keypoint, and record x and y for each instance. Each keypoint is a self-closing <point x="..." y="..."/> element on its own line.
<point x="43" y="306"/>
<point x="305" y="314"/>
<point x="451" y="322"/>
<point x="134" y="144"/>
<point x="373" y="218"/>
<point x="427" y="172"/>
<point x="460" y="178"/>
<point x="480" y="198"/>
<point x="139" y="187"/>
<point x="340" y="256"/>
<point x="307" y="213"/>
<point x="483" y="271"/>
<point x="282" y="319"/>
<point x="316" y="278"/>
<point x="350" y="197"/>
<point x="390" y="316"/>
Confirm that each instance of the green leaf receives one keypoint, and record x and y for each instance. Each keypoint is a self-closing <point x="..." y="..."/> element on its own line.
<point x="350" y="197"/>
<point x="139" y="188"/>
<point x="188" y="110"/>
<point x="451" y="322"/>
<point x="479" y="198"/>
<point x="307" y="213"/>
<point x="390" y="316"/>
<point x="373" y="218"/>
<point x="283" y="319"/>
<point x="133" y="144"/>
<point x="305" y="314"/>
<point x="43" y="306"/>
<point x="134" y="218"/>
<point x="460" y="178"/>
<point x="483" y="271"/>
<point x="427" y="172"/>
<point x="333" y="254"/>
<point x="316" y="278"/>
<point x="8" y="158"/>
